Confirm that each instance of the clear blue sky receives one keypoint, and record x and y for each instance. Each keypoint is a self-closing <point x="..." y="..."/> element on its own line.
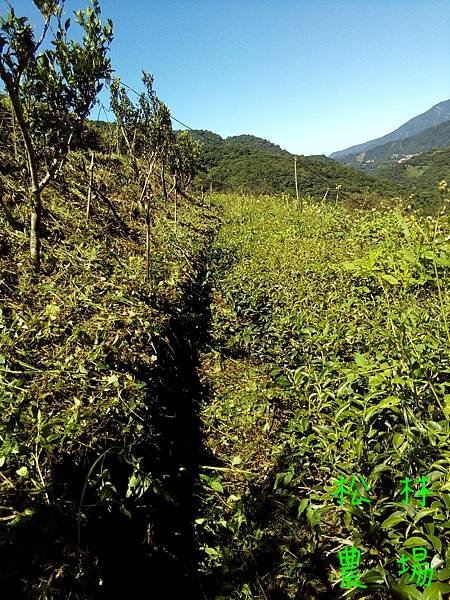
<point x="313" y="76"/>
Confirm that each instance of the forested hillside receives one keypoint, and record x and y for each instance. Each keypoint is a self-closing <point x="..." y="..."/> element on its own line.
<point x="253" y="165"/>
<point x="419" y="177"/>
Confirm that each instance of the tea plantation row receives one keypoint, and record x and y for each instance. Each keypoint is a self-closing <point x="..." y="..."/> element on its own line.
<point x="330" y="374"/>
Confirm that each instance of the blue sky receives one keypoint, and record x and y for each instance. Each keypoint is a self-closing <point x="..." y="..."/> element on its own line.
<point x="313" y="76"/>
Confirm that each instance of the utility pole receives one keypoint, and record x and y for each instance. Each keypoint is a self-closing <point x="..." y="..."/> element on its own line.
<point x="295" y="175"/>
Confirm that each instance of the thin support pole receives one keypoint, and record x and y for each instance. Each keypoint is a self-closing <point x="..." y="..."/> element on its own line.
<point x="175" y="212"/>
<point x="89" y="194"/>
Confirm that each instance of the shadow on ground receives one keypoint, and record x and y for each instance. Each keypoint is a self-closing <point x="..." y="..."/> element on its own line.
<point x="151" y="552"/>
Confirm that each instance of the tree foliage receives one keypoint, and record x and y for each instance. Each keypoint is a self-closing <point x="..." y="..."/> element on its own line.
<point x="52" y="84"/>
<point x="148" y="138"/>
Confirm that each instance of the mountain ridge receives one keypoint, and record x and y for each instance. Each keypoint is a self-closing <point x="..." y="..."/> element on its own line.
<point x="433" y="138"/>
<point x="436" y="115"/>
<point x="247" y="163"/>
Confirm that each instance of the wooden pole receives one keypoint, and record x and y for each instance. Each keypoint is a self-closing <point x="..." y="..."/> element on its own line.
<point x="147" y="239"/>
<point x="295" y="175"/>
<point x="89" y="195"/>
<point x="175" y="212"/>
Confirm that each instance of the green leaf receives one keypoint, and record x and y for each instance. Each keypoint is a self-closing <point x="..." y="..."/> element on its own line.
<point x="23" y="471"/>
<point x="217" y="486"/>
<point x="443" y="574"/>
<point x="424" y="512"/>
<point x="436" y="542"/>
<point x="288" y="477"/>
<point x="415" y="541"/>
<point x="435" y="590"/>
<point x="389" y="278"/>
<point x="373" y="576"/>
<point x="394" y="519"/>
<point x="360" y="360"/>
<point x="406" y="592"/>
<point x="302" y="506"/>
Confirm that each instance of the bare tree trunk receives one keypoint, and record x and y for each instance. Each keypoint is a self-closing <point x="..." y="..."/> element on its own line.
<point x="174" y="185"/>
<point x="35" y="227"/>
<point x="89" y="196"/>
<point x="147" y="178"/>
<point x="14" y="135"/>
<point x="35" y="187"/>
<point x="163" y="181"/>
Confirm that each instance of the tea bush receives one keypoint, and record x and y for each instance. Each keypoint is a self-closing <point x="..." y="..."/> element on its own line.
<point x="330" y="361"/>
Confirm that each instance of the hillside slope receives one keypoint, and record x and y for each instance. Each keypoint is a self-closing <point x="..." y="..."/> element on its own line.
<point x="420" y="176"/>
<point x="96" y="426"/>
<point x="436" y="115"/>
<point x="250" y="164"/>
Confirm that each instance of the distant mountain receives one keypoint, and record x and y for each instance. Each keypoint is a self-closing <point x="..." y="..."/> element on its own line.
<point x="246" y="163"/>
<point x="434" y="138"/>
<point x="440" y="113"/>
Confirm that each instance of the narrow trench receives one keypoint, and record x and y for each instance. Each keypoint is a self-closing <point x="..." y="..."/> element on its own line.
<point x="154" y="554"/>
<point x="180" y="444"/>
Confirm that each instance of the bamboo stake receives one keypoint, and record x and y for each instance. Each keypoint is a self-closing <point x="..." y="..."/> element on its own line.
<point x="175" y="212"/>
<point x="89" y="195"/>
<point x="147" y="239"/>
